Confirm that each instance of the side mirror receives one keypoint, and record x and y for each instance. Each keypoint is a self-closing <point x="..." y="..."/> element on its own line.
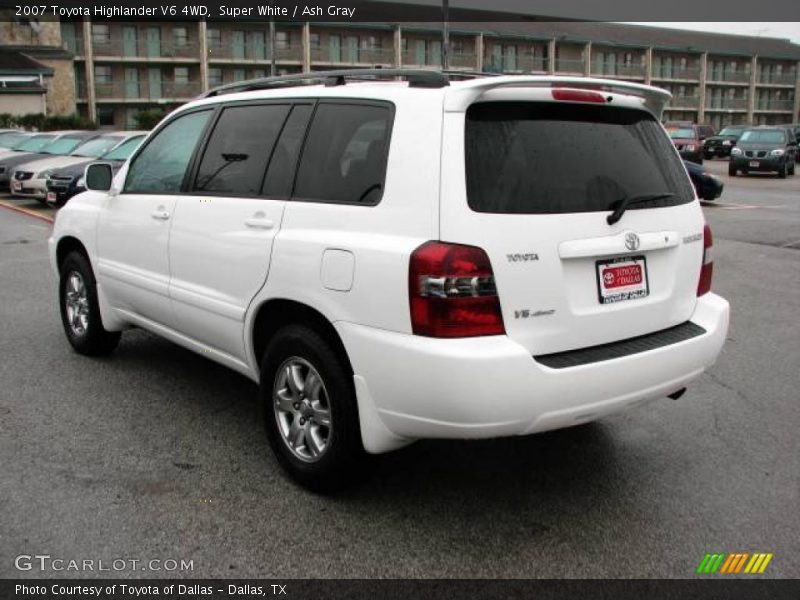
<point x="98" y="177"/>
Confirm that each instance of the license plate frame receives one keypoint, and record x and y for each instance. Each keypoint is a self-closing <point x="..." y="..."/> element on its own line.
<point x="16" y="186"/>
<point x="754" y="163"/>
<point x="621" y="266"/>
<point x="51" y="197"/>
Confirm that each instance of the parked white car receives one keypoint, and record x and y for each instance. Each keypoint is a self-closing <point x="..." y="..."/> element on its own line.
<point x="396" y="260"/>
<point x="29" y="180"/>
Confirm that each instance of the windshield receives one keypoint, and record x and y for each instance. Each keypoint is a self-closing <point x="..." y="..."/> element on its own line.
<point x="97" y="147"/>
<point x="680" y="133"/>
<point x="63" y="145"/>
<point x="124" y="150"/>
<point x="731" y="131"/>
<point x="11" y="139"/>
<point x="34" y="143"/>
<point x="767" y="136"/>
<point x="531" y="158"/>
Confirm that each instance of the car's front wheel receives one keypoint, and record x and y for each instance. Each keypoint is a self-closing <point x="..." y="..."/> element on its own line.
<point x="731" y="170"/>
<point x="310" y="411"/>
<point x="80" y="309"/>
<point x="782" y="171"/>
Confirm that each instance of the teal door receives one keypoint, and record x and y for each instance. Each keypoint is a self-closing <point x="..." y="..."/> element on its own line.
<point x="129" y="43"/>
<point x="153" y="41"/>
<point x="154" y="83"/>
<point x="131" y="82"/>
<point x="352" y="49"/>
<point x="259" y="45"/>
<point x="68" y="37"/>
<point x="237" y="43"/>
<point x="435" y="53"/>
<point x="335" y="48"/>
<point x="419" y="46"/>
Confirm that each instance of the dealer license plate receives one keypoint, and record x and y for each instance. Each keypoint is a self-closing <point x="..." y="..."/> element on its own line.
<point x="623" y="278"/>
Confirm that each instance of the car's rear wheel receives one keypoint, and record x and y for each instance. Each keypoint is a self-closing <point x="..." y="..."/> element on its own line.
<point x="310" y="411"/>
<point x="80" y="309"/>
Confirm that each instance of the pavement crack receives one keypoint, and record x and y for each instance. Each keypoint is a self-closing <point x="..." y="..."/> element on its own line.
<point x="716" y="379"/>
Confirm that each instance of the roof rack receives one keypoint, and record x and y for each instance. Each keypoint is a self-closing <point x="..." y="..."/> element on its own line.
<point x="416" y="78"/>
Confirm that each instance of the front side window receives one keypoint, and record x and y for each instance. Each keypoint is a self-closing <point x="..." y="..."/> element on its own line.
<point x="237" y="153"/>
<point x="530" y="158"/>
<point x="344" y="159"/>
<point x="161" y="165"/>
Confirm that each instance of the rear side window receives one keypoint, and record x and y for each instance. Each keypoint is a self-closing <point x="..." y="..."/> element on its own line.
<point x="545" y="158"/>
<point x="344" y="159"/>
<point x="280" y="174"/>
<point x="239" y="149"/>
<point x="161" y="165"/>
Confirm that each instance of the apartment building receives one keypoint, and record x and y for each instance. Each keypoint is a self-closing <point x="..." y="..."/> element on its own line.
<point x="123" y="68"/>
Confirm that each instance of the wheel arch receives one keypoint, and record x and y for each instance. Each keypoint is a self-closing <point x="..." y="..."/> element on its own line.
<point x="69" y="244"/>
<point x="275" y="313"/>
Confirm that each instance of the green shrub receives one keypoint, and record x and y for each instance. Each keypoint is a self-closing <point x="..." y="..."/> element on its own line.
<point x="39" y="122"/>
<point x="148" y="119"/>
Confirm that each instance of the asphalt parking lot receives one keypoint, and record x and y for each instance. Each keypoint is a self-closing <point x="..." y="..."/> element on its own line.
<point x="155" y="453"/>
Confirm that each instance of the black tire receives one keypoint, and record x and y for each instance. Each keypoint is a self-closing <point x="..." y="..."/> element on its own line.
<point x="343" y="457"/>
<point x="707" y="156"/>
<point x="91" y="339"/>
<point x="731" y="171"/>
<point x="782" y="171"/>
<point x="791" y="168"/>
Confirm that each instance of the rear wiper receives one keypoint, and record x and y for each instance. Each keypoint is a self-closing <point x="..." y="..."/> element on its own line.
<point x="620" y="206"/>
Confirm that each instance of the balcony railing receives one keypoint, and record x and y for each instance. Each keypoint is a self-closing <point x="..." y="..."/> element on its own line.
<point x="144" y="49"/>
<point x="776" y="78"/>
<point x="145" y="91"/>
<point x="715" y="75"/>
<point x="570" y="66"/>
<point x="688" y="74"/>
<point x="726" y="103"/>
<point x="618" y="70"/>
<point x="254" y="52"/>
<point x="358" y="56"/>
<point x="463" y="60"/>
<point x="778" y="105"/>
<point x="684" y="102"/>
<point x="412" y="58"/>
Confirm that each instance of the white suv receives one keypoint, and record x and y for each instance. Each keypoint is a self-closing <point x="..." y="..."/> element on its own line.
<point x="405" y="257"/>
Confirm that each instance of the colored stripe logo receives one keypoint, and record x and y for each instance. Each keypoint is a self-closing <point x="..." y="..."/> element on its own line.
<point x="733" y="564"/>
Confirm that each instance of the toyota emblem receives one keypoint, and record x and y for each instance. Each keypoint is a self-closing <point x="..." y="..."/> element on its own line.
<point x="631" y="241"/>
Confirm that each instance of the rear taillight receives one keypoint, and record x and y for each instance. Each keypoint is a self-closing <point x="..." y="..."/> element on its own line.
<point x="706" y="271"/>
<point x="452" y="292"/>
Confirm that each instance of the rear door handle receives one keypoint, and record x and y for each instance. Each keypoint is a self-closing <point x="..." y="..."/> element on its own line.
<point x="160" y="214"/>
<point x="259" y="223"/>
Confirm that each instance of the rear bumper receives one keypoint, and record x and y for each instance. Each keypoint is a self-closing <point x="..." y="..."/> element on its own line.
<point x="413" y="387"/>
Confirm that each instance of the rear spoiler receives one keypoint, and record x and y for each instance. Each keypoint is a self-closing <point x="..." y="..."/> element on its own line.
<point x="460" y="97"/>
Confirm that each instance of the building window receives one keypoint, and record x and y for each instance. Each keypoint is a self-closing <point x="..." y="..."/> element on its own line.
<point x="314" y="41"/>
<point x="105" y="116"/>
<point x="258" y="74"/>
<point x="457" y="47"/>
<point x="180" y="35"/>
<point x="214" y="37"/>
<point x="214" y="76"/>
<point x="181" y="75"/>
<point x="371" y="42"/>
<point x="239" y="75"/>
<point x="282" y="40"/>
<point x="102" y="74"/>
<point x="101" y="34"/>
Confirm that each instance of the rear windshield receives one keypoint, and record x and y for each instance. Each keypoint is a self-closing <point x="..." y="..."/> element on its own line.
<point x="768" y="136"/>
<point x="544" y="158"/>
